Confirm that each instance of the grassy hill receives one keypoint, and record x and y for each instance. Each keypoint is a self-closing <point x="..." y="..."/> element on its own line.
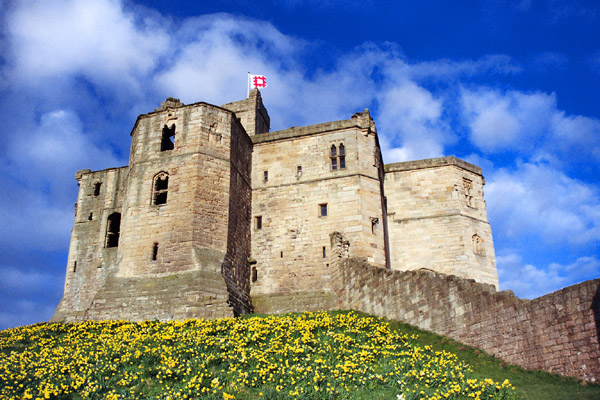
<point x="335" y="355"/>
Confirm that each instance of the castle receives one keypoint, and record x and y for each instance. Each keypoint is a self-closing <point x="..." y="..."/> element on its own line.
<point x="216" y="216"/>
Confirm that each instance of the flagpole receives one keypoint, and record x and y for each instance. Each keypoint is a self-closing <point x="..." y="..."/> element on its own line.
<point x="248" y="86"/>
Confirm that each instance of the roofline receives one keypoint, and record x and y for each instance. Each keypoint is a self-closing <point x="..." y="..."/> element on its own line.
<point x="432" y="163"/>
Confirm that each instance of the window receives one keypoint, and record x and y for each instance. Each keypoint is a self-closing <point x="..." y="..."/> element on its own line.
<point x="168" y="138"/>
<point x="281" y="254"/>
<point x="75" y="266"/>
<point x="322" y="210"/>
<point x="154" y="251"/>
<point x="333" y="156"/>
<point x="254" y="274"/>
<point x="113" y="227"/>
<point x="91" y="217"/>
<point x="342" y="156"/>
<point x="299" y="171"/>
<point x="97" y="186"/>
<point x="161" y="187"/>
<point x="338" y="156"/>
<point x="324" y="252"/>
<point x="265" y="176"/>
<point x="258" y="222"/>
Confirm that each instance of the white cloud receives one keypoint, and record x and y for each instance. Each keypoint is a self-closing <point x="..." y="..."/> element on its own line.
<point x="528" y="123"/>
<point x="537" y="199"/>
<point x="529" y="281"/>
<point x="507" y="121"/>
<point x="96" y="39"/>
<point x="410" y="118"/>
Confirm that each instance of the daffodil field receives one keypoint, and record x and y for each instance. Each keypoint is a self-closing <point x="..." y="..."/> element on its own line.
<point x="322" y="355"/>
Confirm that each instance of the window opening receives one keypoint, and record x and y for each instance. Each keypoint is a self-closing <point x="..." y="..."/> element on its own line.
<point x="75" y="266"/>
<point x="91" y="217"/>
<point x="113" y="227"/>
<point x="299" y="171"/>
<point x="254" y="274"/>
<point x="323" y="210"/>
<point x="281" y="255"/>
<point x="374" y="223"/>
<point x="161" y="188"/>
<point x="266" y="176"/>
<point x="324" y="252"/>
<point x="333" y="155"/>
<point x="342" y="156"/>
<point x="154" y="251"/>
<point x="168" y="138"/>
<point x="258" y="222"/>
<point x="97" y="186"/>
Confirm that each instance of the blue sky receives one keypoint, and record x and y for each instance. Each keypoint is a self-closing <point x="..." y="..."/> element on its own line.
<point x="511" y="86"/>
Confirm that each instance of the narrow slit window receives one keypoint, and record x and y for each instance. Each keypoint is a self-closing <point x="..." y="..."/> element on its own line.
<point x="161" y="188"/>
<point x="168" y="138"/>
<point x="281" y="255"/>
<point x="324" y="252"/>
<point x="265" y="176"/>
<point x="342" y="156"/>
<point x="254" y="274"/>
<point x="299" y="171"/>
<point x="333" y="156"/>
<point x="91" y="217"/>
<point x="258" y="222"/>
<point x="113" y="227"/>
<point x="97" y="186"/>
<point x="75" y="266"/>
<point x="154" y="251"/>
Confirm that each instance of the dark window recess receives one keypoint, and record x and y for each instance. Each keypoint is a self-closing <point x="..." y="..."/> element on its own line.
<point x="266" y="176"/>
<point x="324" y="252"/>
<point x="342" y="157"/>
<point x="168" y="138"/>
<point x="75" y="266"/>
<point x="333" y="155"/>
<point x="281" y="254"/>
<point x="97" y="186"/>
<point x="254" y="274"/>
<point x="299" y="171"/>
<point x="161" y="187"/>
<point x="323" y="210"/>
<point x="154" y="251"/>
<point x="259" y="222"/>
<point x="113" y="227"/>
<point x="91" y="216"/>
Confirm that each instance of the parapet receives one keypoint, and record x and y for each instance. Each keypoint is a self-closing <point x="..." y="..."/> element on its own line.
<point x="432" y="163"/>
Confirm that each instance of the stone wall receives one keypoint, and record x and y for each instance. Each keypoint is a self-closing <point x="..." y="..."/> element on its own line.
<point x="558" y="333"/>
<point x="437" y="219"/>
<point x="292" y="178"/>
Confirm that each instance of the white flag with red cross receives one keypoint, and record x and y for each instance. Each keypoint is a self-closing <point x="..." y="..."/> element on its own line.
<point x="258" y="81"/>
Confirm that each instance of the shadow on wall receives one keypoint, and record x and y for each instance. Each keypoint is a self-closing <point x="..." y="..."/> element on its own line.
<point x="596" y="309"/>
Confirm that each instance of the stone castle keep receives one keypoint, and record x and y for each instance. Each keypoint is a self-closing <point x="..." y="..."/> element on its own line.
<point x="215" y="213"/>
<point x="215" y="216"/>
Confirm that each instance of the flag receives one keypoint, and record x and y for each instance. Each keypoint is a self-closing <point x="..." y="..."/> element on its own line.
<point x="257" y="81"/>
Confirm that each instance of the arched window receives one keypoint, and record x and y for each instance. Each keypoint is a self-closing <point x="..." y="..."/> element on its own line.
<point x="160" y="188"/>
<point x="333" y="156"/>
<point x="342" y="156"/>
<point x="113" y="228"/>
<point x="168" y="138"/>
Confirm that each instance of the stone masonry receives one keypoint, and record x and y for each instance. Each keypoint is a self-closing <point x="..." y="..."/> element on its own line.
<point x="215" y="216"/>
<point x="211" y="196"/>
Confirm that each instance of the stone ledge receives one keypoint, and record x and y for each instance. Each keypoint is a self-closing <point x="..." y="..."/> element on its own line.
<point x="432" y="163"/>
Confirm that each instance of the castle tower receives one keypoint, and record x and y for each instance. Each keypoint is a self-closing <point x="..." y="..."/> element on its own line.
<point x="183" y="236"/>
<point x="437" y="219"/>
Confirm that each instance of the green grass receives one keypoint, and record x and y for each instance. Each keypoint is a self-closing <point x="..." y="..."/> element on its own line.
<point x="265" y="357"/>
<point x="530" y="385"/>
